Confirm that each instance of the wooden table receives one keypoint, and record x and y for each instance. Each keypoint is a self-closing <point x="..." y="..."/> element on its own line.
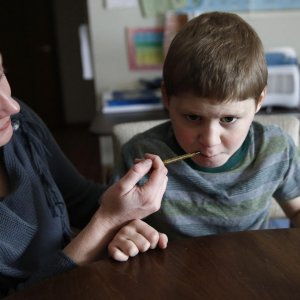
<point x="244" y="265"/>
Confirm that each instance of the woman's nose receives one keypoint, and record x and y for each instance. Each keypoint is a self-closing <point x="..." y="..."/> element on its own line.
<point x="8" y="105"/>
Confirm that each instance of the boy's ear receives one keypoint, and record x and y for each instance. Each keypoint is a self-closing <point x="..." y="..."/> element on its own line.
<point x="165" y="98"/>
<point x="261" y="99"/>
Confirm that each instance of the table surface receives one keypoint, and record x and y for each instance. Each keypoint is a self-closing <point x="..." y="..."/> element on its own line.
<point x="242" y="265"/>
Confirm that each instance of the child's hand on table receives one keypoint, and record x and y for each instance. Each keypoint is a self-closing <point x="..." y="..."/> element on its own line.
<point x="135" y="237"/>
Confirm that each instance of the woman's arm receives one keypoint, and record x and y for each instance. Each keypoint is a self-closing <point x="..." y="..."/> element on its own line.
<point x="121" y="203"/>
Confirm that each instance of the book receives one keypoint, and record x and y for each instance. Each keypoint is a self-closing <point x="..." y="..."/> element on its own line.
<point x="132" y="108"/>
<point x="131" y="100"/>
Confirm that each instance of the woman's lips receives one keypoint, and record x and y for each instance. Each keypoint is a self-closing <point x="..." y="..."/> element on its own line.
<point x="2" y="128"/>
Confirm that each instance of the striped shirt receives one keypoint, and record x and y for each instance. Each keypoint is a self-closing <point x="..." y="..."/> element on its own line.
<point x="234" y="197"/>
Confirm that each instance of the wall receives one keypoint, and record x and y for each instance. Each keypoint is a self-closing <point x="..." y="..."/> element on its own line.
<point x="108" y="40"/>
<point x="277" y="28"/>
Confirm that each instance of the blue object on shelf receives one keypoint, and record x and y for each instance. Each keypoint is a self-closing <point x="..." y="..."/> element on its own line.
<point x="275" y="59"/>
<point x="118" y="102"/>
<point x="131" y="100"/>
<point x="281" y="56"/>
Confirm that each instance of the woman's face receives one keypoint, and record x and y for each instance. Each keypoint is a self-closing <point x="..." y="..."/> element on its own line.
<point x="8" y="107"/>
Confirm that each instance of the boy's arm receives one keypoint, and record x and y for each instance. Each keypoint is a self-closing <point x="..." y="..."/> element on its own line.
<point x="135" y="237"/>
<point x="292" y="210"/>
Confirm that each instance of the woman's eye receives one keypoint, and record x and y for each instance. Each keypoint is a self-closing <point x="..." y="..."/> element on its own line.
<point x="228" y="119"/>
<point x="2" y="75"/>
<point x="193" y="117"/>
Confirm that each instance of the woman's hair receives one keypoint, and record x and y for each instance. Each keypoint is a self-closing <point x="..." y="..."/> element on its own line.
<point x="216" y="56"/>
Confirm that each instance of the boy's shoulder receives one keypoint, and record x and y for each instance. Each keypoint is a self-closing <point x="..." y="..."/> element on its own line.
<point x="153" y="140"/>
<point x="271" y="134"/>
<point x="268" y="129"/>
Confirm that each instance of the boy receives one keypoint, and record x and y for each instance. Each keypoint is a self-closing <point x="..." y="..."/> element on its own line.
<point x="214" y="82"/>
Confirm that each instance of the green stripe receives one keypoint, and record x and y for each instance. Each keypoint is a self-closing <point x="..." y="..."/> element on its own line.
<point x="176" y="208"/>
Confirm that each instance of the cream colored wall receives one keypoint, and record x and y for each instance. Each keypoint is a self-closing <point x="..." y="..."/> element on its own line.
<point x="108" y="38"/>
<point x="278" y="28"/>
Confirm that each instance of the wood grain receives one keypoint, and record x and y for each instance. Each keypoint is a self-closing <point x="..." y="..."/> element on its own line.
<point x="243" y="265"/>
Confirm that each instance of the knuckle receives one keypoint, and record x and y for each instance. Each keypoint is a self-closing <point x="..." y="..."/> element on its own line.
<point x="111" y="250"/>
<point x="118" y="187"/>
<point x="136" y="168"/>
<point x="129" y="228"/>
<point x="156" y="206"/>
<point x="135" y="223"/>
<point x="126" y="230"/>
<point x="153" y="236"/>
<point x="132" y="251"/>
<point x="145" y="246"/>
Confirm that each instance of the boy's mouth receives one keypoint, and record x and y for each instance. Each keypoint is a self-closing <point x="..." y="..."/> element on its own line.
<point x="208" y="155"/>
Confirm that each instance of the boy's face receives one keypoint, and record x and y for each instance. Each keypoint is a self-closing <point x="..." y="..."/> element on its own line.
<point x="215" y="129"/>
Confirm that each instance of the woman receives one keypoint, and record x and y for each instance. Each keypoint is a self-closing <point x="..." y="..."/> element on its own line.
<point x="42" y="195"/>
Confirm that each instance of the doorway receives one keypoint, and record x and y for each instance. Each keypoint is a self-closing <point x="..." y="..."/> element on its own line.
<point x="28" y="48"/>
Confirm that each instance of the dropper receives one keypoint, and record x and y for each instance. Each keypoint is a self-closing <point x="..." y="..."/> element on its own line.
<point x="180" y="157"/>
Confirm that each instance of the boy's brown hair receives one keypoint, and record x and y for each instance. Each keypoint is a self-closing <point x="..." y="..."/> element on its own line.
<point x="216" y="56"/>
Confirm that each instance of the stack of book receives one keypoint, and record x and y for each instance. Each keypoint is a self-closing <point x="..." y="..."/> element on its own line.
<point x="131" y="100"/>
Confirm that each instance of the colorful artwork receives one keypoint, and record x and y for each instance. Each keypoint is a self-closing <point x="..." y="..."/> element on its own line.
<point x="152" y="8"/>
<point x="239" y="5"/>
<point x="145" y="48"/>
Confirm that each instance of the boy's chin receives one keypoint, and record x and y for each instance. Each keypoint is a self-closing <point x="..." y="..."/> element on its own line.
<point x="211" y="162"/>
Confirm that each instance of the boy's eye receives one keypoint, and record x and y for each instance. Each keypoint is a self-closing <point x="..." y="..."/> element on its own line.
<point x="193" y="117"/>
<point x="228" y="119"/>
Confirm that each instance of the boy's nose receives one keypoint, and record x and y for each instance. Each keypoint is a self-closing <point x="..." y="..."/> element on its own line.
<point x="210" y="135"/>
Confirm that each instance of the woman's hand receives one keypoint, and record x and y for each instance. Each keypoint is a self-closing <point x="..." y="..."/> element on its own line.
<point x="133" y="238"/>
<point x="125" y="200"/>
